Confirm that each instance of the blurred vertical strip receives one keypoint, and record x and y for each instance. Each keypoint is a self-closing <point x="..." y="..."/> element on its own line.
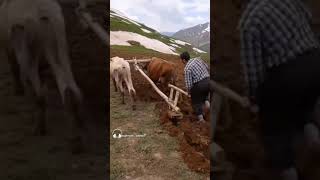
<point x="90" y="56"/>
<point x="108" y="91"/>
<point x="227" y="71"/>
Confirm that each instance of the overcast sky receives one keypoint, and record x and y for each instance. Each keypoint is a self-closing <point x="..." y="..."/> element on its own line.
<point x="165" y="15"/>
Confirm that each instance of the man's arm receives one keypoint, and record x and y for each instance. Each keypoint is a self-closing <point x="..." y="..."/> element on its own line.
<point x="251" y="57"/>
<point x="188" y="80"/>
<point x="206" y="65"/>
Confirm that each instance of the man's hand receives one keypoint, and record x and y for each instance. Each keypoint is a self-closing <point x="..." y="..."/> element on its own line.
<point x="246" y="102"/>
<point x="251" y="104"/>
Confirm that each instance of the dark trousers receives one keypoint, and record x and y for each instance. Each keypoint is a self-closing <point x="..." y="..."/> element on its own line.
<point x="286" y="98"/>
<point x="199" y="94"/>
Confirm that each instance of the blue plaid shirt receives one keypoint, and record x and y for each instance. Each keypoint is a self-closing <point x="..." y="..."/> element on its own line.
<point x="195" y="71"/>
<point x="272" y="32"/>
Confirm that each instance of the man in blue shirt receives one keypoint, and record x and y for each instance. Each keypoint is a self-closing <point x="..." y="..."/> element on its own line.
<point x="197" y="83"/>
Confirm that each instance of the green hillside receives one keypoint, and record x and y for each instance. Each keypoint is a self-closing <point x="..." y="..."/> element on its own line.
<point x="118" y="23"/>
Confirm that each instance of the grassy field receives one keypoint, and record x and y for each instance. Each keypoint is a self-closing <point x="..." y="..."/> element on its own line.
<point x="154" y="156"/>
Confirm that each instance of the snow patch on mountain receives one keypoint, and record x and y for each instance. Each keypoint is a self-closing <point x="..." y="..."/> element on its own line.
<point x="198" y="50"/>
<point x="122" y="38"/>
<point x="144" y="30"/>
<point x="181" y="42"/>
<point x="123" y="16"/>
<point x="174" y="45"/>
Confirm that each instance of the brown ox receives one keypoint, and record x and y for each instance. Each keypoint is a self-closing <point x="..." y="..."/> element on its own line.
<point x="162" y="71"/>
<point x="120" y="74"/>
<point x="32" y="33"/>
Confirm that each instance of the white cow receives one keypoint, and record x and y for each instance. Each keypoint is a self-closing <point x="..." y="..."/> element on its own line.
<point x="33" y="33"/>
<point x="121" y="74"/>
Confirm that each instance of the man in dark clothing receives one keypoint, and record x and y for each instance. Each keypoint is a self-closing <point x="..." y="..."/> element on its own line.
<point x="197" y="83"/>
<point x="281" y="58"/>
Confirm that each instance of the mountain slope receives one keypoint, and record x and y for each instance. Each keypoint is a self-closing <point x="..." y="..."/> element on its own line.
<point x="125" y="32"/>
<point x="169" y="34"/>
<point x="198" y="36"/>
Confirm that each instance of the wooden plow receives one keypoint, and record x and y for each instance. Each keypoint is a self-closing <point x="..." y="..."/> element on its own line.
<point x="175" y="92"/>
<point x="221" y="96"/>
<point x="139" y="60"/>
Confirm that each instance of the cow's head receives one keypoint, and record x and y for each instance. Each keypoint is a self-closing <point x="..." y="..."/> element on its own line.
<point x="169" y="78"/>
<point x="161" y="80"/>
<point x="145" y="66"/>
<point x="173" y="78"/>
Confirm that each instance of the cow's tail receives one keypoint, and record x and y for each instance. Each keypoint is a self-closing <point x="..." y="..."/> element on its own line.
<point x="129" y="80"/>
<point x="131" y="84"/>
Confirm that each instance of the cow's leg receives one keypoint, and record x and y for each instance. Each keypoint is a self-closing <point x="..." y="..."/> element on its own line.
<point x="119" y="82"/>
<point x="71" y="98"/>
<point x="40" y="126"/>
<point x="114" y="84"/>
<point x="120" y="86"/>
<point x="72" y="106"/>
<point x="40" y="92"/>
<point x="20" y="56"/>
<point x="122" y="92"/>
<point x="131" y="93"/>
<point x="29" y="73"/>
<point x="18" y="86"/>
<point x="72" y="101"/>
<point x="55" y="51"/>
<point x="133" y="99"/>
<point x="37" y="94"/>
